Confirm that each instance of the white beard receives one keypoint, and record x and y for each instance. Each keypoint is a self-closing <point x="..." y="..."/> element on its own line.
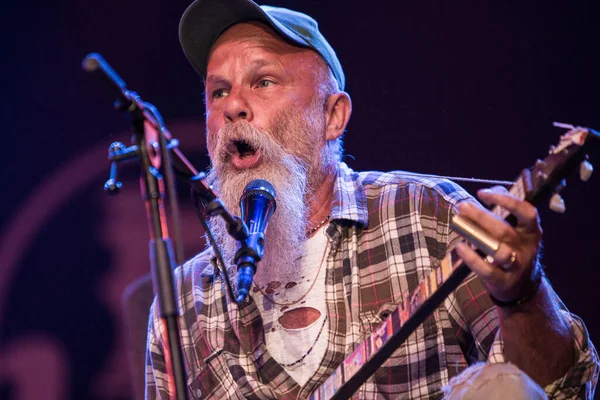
<point x="295" y="157"/>
<point x="285" y="234"/>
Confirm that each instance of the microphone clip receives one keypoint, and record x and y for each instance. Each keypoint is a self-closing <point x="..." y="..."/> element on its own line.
<point x="249" y="252"/>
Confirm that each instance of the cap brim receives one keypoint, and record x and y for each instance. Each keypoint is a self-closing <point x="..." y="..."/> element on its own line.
<point x="204" y="20"/>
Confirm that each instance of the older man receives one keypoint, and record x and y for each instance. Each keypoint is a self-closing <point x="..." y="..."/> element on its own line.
<point x="343" y="247"/>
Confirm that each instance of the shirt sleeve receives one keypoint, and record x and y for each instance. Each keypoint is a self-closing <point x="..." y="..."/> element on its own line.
<point x="159" y="382"/>
<point x="476" y="324"/>
<point x="580" y="381"/>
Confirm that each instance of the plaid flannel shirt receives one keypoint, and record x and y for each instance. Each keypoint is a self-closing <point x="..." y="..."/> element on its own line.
<point x="387" y="231"/>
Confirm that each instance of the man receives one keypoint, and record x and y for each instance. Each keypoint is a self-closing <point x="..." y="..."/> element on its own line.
<point x="344" y="248"/>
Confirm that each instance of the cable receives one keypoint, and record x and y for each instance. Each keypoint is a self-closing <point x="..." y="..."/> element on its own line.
<point x="212" y="241"/>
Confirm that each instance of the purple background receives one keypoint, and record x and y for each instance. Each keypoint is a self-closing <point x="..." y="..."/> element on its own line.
<point x="455" y="88"/>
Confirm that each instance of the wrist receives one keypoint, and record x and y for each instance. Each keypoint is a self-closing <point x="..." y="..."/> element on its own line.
<point x="525" y="298"/>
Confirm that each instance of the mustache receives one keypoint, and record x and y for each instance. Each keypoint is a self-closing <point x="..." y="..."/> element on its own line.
<point x="231" y="136"/>
<point x="287" y="227"/>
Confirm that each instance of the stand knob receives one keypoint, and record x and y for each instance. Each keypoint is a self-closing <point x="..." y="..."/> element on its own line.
<point x="112" y="185"/>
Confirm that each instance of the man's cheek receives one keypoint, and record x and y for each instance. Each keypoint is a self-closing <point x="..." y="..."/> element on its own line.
<point x="210" y="143"/>
<point x="211" y="139"/>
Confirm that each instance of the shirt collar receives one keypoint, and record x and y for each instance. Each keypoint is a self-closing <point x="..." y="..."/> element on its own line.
<point x="349" y="198"/>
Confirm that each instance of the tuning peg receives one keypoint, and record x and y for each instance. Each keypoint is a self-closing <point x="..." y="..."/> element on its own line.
<point x="557" y="204"/>
<point x="585" y="170"/>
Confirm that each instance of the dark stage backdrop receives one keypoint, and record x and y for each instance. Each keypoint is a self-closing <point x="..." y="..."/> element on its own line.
<point x="456" y="88"/>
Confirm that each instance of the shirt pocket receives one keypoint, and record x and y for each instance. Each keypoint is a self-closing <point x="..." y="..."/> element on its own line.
<point x="371" y="319"/>
<point x="419" y="357"/>
<point x="425" y="338"/>
<point x="214" y="379"/>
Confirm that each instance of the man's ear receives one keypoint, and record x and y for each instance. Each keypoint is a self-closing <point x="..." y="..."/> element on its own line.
<point x="338" y="108"/>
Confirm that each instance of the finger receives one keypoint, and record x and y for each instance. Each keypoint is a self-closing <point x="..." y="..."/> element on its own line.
<point x="525" y="212"/>
<point x="495" y="197"/>
<point x="489" y="222"/>
<point x="499" y="189"/>
<point x="505" y="257"/>
<point x="495" y="189"/>
<point x="477" y="264"/>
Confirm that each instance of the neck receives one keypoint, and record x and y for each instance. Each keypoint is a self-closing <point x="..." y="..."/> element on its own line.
<point x="320" y="203"/>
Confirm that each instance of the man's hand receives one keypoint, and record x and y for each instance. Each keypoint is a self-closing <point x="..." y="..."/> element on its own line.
<point x="513" y="271"/>
<point x="536" y="336"/>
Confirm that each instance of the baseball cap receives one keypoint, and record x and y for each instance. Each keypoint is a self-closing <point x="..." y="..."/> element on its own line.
<point x="204" y="20"/>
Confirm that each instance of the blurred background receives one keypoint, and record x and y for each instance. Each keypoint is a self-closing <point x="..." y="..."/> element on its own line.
<point x="455" y="88"/>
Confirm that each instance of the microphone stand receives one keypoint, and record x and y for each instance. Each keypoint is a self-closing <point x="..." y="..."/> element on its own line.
<point x="152" y="142"/>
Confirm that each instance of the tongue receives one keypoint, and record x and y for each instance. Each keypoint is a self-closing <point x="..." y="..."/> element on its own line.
<point x="246" y="157"/>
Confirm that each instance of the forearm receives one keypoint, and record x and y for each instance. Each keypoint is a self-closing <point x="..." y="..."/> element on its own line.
<point x="537" y="338"/>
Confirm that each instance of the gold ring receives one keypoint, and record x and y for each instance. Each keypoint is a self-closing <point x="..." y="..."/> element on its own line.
<point x="511" y="262"/>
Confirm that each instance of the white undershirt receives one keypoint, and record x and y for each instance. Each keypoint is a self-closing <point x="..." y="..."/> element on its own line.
<point x="289" y="345"/>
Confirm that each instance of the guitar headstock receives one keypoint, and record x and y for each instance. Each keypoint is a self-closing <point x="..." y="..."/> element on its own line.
<point x="547" y="177"/>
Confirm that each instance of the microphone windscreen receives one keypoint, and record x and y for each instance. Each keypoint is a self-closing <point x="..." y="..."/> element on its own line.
<point x="259" y="185"/>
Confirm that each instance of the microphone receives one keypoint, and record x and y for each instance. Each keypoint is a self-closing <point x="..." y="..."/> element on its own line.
<point x="257" y="204"/>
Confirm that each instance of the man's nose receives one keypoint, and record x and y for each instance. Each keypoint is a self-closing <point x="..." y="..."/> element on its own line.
<point x="237" y="107"/>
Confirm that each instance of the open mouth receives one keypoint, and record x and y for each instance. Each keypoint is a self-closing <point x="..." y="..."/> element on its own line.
<point x="243" y="154"/>
<point x="244" y="149"/>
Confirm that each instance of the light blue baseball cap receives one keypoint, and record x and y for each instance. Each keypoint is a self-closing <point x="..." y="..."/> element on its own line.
<point x="204" y="20"/>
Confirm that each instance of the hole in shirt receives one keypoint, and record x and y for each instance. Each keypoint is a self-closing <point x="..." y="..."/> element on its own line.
<point x="299" y="318"/>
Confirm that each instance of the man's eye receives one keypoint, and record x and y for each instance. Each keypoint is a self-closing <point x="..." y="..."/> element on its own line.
<point x="265" y="83"/>
<point x="219" y="93"/>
